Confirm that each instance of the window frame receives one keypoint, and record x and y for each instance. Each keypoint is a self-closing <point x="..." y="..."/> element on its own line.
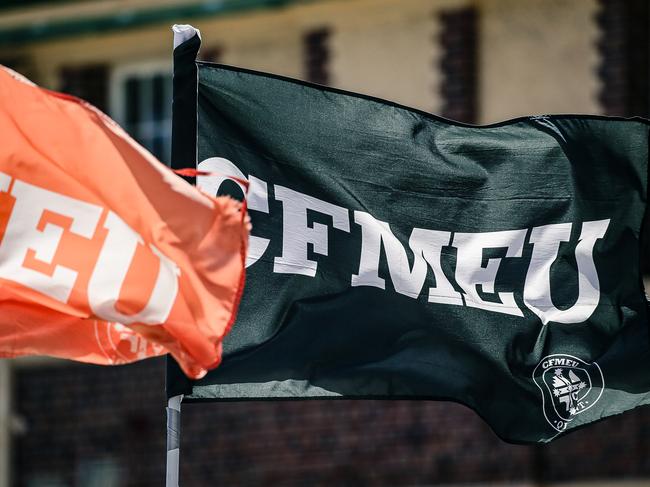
<point x="117" y="93"/>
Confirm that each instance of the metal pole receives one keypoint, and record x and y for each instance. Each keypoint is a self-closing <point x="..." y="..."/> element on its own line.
<point x="187" y="41"/>
<point x="173" y="440"/>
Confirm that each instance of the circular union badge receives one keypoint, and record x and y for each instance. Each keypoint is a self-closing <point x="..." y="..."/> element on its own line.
<point x="569" y="387"/>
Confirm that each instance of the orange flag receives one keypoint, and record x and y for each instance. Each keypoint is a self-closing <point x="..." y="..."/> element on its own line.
<point x="106" y="256"/>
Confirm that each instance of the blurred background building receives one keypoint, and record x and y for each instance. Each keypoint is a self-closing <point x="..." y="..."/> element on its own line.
<point x="477" y="61"/>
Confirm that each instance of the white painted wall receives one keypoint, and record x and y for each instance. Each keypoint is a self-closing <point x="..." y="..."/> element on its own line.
<point x="537" y="57"/>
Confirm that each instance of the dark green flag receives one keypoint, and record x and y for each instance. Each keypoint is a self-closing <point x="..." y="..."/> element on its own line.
<point x="395" y="254"/>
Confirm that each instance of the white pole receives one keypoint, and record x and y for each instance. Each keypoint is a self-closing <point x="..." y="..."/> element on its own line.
<point x="173" y="440"/>
<point x="5" y="422"/>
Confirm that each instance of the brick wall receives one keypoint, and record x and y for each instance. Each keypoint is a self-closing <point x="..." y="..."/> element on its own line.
<point x="75" y="417"/>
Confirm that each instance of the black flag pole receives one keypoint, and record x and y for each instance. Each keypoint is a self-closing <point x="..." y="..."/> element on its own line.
<point x="187" y="41"/>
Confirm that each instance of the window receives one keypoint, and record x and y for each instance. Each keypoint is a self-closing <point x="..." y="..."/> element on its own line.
<point x="624" y="49"/>
<point x="141" y="101"/>
<point x="102" y="472"/>
<point x="458" y="39"/>
<point x="89" y="82"/>
<point x="45" y="480"/>
<point x="317" y="55"/>
<point x="624" y="72"/>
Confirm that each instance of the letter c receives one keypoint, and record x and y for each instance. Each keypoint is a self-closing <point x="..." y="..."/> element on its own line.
<point x="257" y="198"/>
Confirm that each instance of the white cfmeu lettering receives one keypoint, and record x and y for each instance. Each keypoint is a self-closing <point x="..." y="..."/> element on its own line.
<point x="462" y="266"/>
<point x="297" y="234"/>
<point x="426" y="246"/>
<point x="470" y="272"/>
<point x="31" y="232"/>
<point x="110" y="272"/>
<point x="537" y="291"/>
<point x="28" y="231"/>
<point x="555" y="362"/>
<point x="256" y="199"/>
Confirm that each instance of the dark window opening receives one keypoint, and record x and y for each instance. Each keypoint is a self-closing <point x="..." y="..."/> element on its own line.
<point x="317" y="55"/>
<point x="89" y="82"/>
<point x="624" y="48"/>
<point x="624" y="71"/>
<point x="459" y="64"/>
<point x="145" y="111"/>
<point x="211" y="54"/>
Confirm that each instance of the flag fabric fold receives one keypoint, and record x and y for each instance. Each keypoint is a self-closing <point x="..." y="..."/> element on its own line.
<point x="106" y="256"/>
<point x="396" y="254"/>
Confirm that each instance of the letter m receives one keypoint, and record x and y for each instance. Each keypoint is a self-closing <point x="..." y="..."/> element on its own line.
<point x="426" y="246"/>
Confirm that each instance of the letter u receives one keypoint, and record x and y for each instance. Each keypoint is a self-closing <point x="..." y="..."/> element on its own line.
<point x="111" y="269"/>
<point x="537" y="290"/>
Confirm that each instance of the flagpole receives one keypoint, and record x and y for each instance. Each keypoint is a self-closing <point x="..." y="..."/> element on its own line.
<point x="187" y="41"/>
<point x="173" y="440"/>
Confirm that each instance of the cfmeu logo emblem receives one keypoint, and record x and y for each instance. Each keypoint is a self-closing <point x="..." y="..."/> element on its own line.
<point x="569" y="387"/>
